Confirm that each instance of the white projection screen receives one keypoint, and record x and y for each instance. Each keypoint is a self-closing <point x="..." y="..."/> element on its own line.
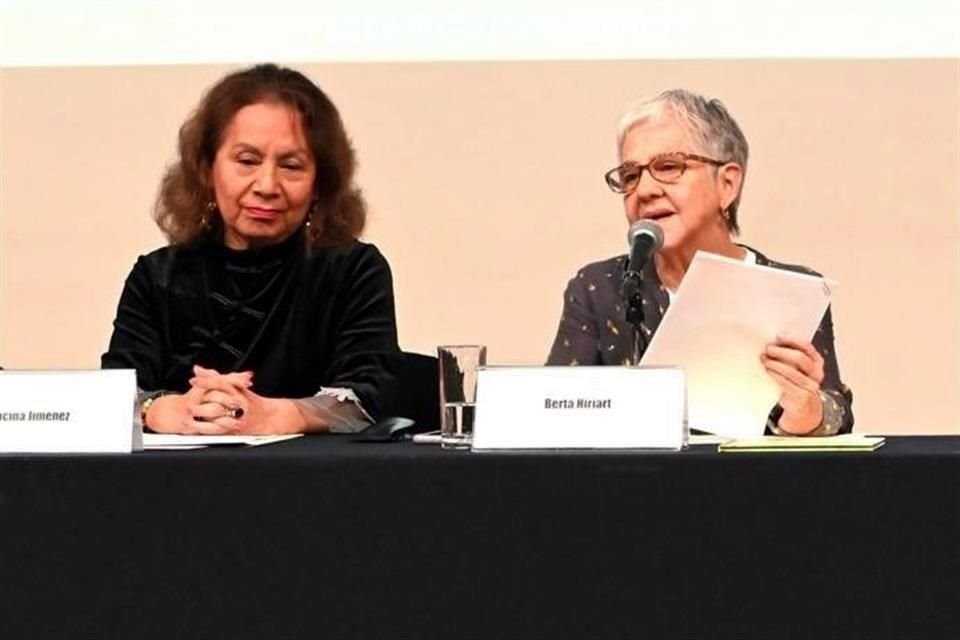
<point x="482" y="137"/>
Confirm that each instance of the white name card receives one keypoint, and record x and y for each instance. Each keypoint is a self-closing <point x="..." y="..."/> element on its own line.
<point x="69" y="412"/>
<point x="580" y="408"/>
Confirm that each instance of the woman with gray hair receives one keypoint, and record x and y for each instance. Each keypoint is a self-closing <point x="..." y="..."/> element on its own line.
<point x="683" y="161"/>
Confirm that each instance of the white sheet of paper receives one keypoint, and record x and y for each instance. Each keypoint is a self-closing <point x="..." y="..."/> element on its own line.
<point x="173" y="442"/>
<point x="698" y="439"/>
<point x="724" y="313"/>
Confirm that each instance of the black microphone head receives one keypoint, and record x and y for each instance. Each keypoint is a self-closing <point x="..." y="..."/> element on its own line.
<point x="646" y="228"/>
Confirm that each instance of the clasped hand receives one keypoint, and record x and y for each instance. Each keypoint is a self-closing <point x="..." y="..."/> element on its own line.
<point x="216" y="404"/>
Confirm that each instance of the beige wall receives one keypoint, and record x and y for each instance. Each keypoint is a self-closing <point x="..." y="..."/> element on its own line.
<point x="486" y="193"/>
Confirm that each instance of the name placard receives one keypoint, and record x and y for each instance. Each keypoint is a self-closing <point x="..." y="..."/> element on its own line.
<point x="69" y="412"/>
<point x="580" y="408"/>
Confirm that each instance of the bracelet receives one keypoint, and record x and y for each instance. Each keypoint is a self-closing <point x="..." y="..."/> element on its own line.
<point x="145" y="408"/>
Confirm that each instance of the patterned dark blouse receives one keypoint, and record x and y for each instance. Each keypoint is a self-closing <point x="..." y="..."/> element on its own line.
<point x="594" y="331"/>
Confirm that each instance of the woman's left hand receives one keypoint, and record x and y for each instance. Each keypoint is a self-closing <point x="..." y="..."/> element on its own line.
<point x="229" y="402"/>
<point x="797" y="367"/>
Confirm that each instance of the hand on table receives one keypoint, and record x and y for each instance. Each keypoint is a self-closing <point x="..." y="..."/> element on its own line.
<point x="216" y="404"/>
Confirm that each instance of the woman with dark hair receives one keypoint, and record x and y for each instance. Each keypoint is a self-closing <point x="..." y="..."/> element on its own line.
<point x="264" y="314"/>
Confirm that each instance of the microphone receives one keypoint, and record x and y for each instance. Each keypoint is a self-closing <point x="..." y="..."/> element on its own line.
<point x="645" y="238"/>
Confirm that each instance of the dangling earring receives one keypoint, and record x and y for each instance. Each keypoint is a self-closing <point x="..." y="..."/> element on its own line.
<point x="205" y="218"/>
<point x="312" y="230"/>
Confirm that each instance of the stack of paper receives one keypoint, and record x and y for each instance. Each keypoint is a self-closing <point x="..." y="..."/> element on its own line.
<point x="175" y="442"/>
<point x="846" y="442"/>
<point x="723" y="316"/>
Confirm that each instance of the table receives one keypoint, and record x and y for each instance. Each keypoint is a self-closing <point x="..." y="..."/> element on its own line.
<point x="321" y="537"/>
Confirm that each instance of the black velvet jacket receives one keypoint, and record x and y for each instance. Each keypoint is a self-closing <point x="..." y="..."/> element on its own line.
<point x="298" y="318"/>
<point x="594" y="331"/>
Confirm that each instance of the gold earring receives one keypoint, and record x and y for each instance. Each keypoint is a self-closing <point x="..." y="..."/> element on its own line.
<point x="312" y="211"/>
<point x="205" y="217"/>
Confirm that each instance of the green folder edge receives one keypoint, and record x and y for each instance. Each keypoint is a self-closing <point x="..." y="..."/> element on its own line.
<point x="727" y="448"/>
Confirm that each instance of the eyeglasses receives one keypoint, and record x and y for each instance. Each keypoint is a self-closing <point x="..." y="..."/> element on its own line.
<point x="666" y="168"/>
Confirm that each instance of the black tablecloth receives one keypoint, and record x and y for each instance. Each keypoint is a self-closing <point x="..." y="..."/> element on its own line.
<point x="323" y="538"/>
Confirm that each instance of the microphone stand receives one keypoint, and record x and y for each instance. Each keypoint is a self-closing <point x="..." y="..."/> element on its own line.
<point x="633" y="308"/>
<point x="646" y="238"/>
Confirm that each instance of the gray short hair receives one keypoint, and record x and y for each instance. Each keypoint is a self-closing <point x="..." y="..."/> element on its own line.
<point x="707" y="120"/>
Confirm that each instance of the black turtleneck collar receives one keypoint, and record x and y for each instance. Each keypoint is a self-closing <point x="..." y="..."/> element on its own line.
<point x="259" y="256"/>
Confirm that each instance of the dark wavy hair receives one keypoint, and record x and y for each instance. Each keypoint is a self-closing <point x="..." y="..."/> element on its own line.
<point x="183" y="206"/>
